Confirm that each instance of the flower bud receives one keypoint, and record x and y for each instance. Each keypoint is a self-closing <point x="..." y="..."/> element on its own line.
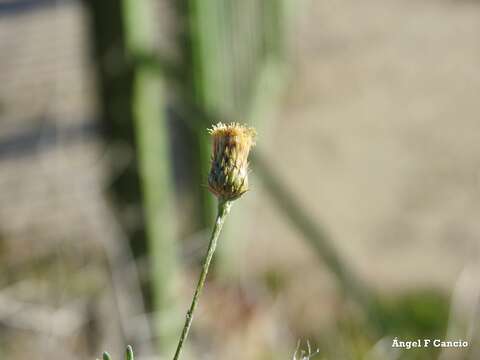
<point x="228" y="178"/>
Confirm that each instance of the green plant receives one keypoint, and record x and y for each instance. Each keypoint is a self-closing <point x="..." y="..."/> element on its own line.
<point x="228" y="180"/>
<point x="128" y="354"/>
<point x="304" y="354"/>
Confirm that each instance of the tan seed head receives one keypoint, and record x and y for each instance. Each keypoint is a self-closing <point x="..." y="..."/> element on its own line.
<point x="228" y="178"/>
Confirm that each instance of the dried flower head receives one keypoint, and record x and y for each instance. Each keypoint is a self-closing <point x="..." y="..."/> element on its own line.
<point x="228" y="177"/>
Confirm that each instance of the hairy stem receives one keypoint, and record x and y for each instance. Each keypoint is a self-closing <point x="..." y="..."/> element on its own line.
<point x="223" y="210"/>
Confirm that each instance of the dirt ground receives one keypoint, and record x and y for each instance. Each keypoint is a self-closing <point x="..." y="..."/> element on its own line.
<point x="378" y="137"/>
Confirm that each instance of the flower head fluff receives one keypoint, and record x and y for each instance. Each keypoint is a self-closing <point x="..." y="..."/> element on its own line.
<point x="228" y="178"/>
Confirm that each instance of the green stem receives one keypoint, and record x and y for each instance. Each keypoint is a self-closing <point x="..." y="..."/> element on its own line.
<point x="129" y="353"/>
<point x="223" y="210"/>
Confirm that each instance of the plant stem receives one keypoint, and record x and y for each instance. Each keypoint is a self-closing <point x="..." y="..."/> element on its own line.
<point x="129" y="353"/>
<point x="223" y="210"/>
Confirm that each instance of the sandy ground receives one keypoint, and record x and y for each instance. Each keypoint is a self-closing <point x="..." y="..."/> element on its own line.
<point x="379" y="138"/>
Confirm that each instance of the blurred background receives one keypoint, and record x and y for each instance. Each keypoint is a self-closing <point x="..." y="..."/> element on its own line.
<point x="361" y="225"/>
